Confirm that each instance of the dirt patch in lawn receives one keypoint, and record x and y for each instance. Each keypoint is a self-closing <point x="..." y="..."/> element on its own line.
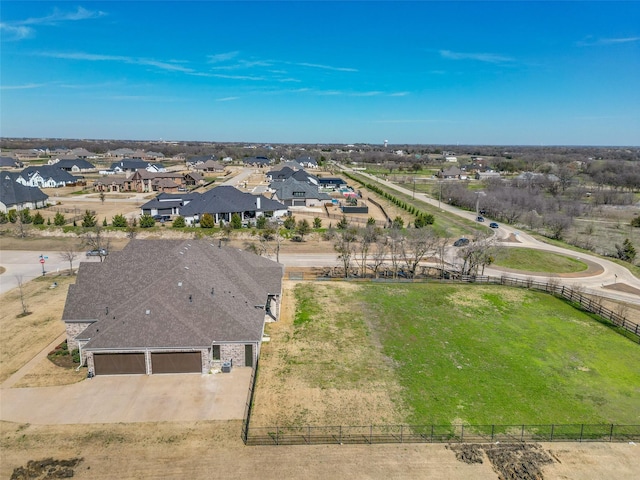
<point x="325" y="371"/>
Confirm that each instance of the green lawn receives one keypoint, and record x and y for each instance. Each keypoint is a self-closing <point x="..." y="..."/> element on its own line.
<point x="470" y="353"/>
<point x="497" y="355"/>
<point x="538" y="261"/>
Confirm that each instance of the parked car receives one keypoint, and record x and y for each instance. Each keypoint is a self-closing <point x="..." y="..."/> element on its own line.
<point x="480" y="219"/>
<point x="97" y="253"/>
<point x="461" y="242"/>
<point x="493" y="225"/>
<point x="161" y="218"/>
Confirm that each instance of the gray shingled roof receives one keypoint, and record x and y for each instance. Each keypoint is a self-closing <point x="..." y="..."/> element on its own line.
<point x="285" y="190"/>
<point x="195" y="292"/>
<point x="48" y="171"/>
<point x="227" y="199"/>
<point x="13" y="193"/>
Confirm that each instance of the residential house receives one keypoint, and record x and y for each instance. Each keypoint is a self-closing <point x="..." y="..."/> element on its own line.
<point x="223" y="201"/>
<point x="332" y="183"/>
<point x="145" y="181"/>
<point x="168" y="204"/>
<point x="256" y="161"/>
<point x="9" y="162"/>
<point x="112" y="183"/>
<point x="46" y="176"/>
<point x="452" y="173"/>
<point x="193" y="179"/>
<point x="307" y="161"/>
<point x="296" y="193"/>
<point x="486" y="175"/>
<point x="129" y="165"/>
<point x="201" y="307"/>
<point x="75" y="165"/>
<point x="14" y="195"/>
<point x="209" y="166"/>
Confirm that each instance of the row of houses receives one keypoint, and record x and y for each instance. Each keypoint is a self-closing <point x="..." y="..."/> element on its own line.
<point x="143" y="180"/>
<point x="16" y="196"/>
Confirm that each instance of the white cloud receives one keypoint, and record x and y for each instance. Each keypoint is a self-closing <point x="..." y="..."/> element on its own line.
<point x="227" y="99"/>
<point x="21" y="29"/>
<point x="222" y="57"/>
<point x="479" y="57"/>
<point x="606" y="41"/>
<point x="93" y="57"/>
<point x="22" y="87"/>
<point x="15" y="32"/>
<point x="326" y="67"/>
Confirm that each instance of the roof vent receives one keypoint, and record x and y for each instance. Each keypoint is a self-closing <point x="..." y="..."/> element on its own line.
<point x="179" y="284"/>
<point x="148" y="312"/>
<point x="190" y="298"/>
<point x="212" y="292"/>
<point x="186" y="268"/>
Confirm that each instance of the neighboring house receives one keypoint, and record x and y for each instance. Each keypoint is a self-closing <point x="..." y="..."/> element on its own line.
<point x="296" y="193"/>
<point x="45" y="176"/>
<point x="75" y="165"/>
<point x="168" y="204"/>
<point x="209" y="166"/>
<point x="331" y="182"/>
<point x="256" y="161"/>
<point x="82" y="153"/>
<point x="451" y="173"/>
<point x="145" y="181"/>
<point x="129" y="165"/>
<point x="14" y="195"/>
<point x="279" y="174"/>
<point x="292" y="165"/>
<point x="121" y="153"/>
<point x="198" y="307"/>
<point x="307" y="162"/>
<point x="193" y="179"/>
<point x="115" y="183"/>
<point x="9" y="162"/>
<point x="223" y="201"/>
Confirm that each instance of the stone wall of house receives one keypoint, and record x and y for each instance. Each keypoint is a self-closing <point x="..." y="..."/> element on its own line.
<point x="73" y="330"/>
<point x="235" y="353"/>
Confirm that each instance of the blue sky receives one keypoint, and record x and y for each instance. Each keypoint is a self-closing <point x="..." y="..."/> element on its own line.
<point x="502" y="73"/>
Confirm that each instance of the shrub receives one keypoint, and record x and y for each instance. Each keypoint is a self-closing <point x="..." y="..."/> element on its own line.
<point x="59" y="219"/>
<point x="179" y="222"/>
<point x="317" y="223"/>
<point x="206" y="221"/>
<point x="89" y="220"/>
<point x="25" y="216"/>
<point x="290" y="223"/>
<point x="147" y="221"/>
<point x="261" y="222"/>
<point x="236" y="221"/>
<point x="119" y="221"/>
<point x="38" y="219"/>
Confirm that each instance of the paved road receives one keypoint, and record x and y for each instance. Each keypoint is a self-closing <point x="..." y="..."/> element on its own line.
<point x="612" y="272"/>
<point x="26" y="264"/>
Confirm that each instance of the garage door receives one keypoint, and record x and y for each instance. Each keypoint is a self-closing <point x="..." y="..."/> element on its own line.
<point x="118" y="363"/>
<point x="176" y="362"/>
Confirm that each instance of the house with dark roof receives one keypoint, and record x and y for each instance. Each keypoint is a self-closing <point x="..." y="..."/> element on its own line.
<point x="14" y="195"/>
<point x="75" y="165"/>
<point x="145" y="181"/>
<point x="168" y="204"/>
<point x="46" y="176"/>
<point x="307" y="161"/>
<point x="296" y="193"/>
<point x="111" y="183"/>
<point x="130" y="165"/>
<point x="223" y="201"/>
<point x="280" y="174"/>
<point x="9" y="162"/>
<point x="209" y="166"/>
<point x="202" y="305"/>
<point x="256" y="161"/>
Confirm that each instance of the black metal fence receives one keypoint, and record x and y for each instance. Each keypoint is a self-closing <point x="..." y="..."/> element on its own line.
<point x="386" y="434"/>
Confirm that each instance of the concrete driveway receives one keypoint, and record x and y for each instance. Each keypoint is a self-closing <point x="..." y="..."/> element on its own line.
<point x="131" y="398"/>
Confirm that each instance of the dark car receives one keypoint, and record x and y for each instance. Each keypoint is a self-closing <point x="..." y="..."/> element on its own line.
<point x="161" y="218"/>
<point x="97" y="253"/>
<point x="493" y="225"/>
<point x="461" y="242"/>
<point x="480" y="219"/>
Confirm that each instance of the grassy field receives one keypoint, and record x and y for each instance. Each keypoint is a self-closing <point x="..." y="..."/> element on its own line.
<point x="446" y="354"/>
<point x="530" y="260"/>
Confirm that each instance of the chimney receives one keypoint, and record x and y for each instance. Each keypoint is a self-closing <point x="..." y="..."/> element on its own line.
<point x="258" y="202"/>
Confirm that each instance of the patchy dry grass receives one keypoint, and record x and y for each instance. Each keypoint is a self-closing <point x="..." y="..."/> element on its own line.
<point x="23" y="337"/>
<point x="324" y="369"/>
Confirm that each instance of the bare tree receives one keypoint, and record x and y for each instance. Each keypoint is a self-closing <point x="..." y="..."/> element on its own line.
<point x="418" y="244"/>
<point x="477" y="254"/>
<point x="344" y="245"/>
<point x="378" y="256"/>
<point x="23" y="300"/>
<point x="96" y="240"/>
<point x="394" y="247"/>
<point x="69" y="255"/>
<point x="368" y="236"/>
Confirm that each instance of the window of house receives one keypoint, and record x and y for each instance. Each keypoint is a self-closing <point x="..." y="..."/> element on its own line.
<point x="216" y="352"/>
<point x="298" y="194"/>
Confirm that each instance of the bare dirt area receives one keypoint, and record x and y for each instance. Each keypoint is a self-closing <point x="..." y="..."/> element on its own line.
<point x="195" y="449"/>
